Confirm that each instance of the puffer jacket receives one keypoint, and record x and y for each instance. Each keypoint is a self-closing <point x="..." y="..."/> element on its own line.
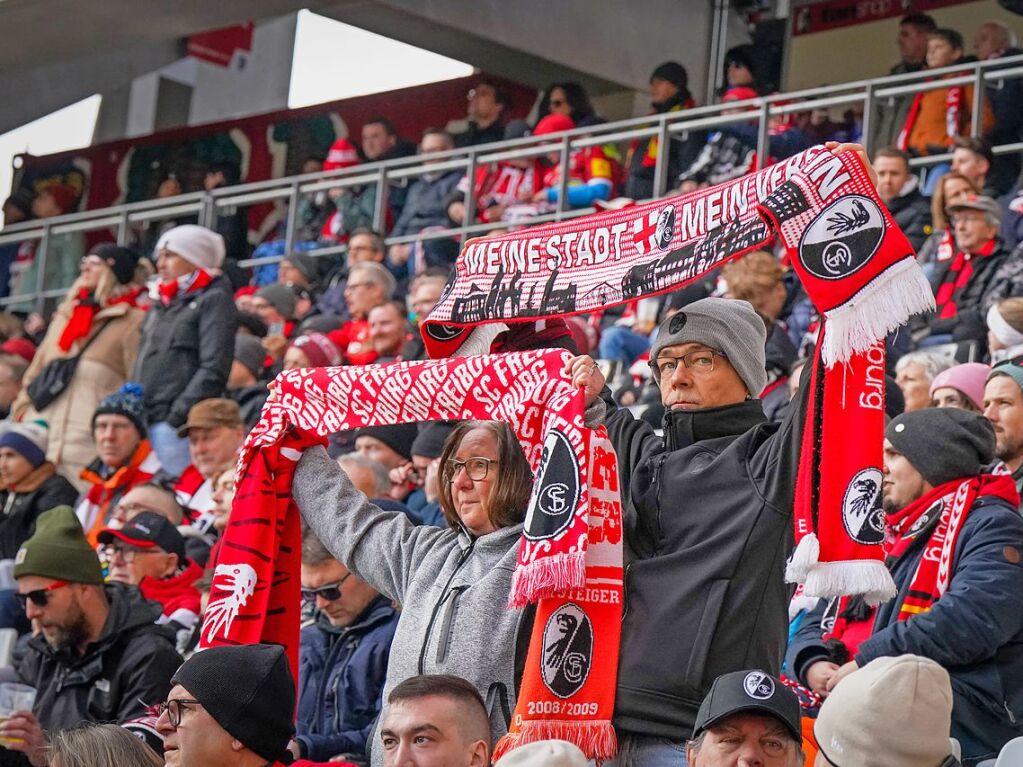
<point x="21" y="505"/>
<point x="708" y="524"/>
<point x="341" y="677"/>
<point x="186" y="351"/>
<point x="127" y="668"/>
<point x="453" y="588"/>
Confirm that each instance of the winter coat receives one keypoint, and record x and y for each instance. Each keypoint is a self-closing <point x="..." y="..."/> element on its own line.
<point x="974" y="631"/>
<point x="912" y="212"/>
<point x="103" y="368"/>
<point x="250" y="401"/>
<point x="929" y="132"/>
<point x="642" y="158"/>
<point x="708" y="524"/>
<point x="186" y="351"/>
<point x="20" y="506"/>
<point x="1006" y="99"/>
<point x="128" y="667"/>
<point x="341" y="677"/>
<point x="424" y="205"/>
<point x="453" y="588"/>
<point x="996" y="276"/>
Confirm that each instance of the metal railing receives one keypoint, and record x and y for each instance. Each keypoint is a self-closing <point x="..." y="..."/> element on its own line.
<point x="207" y="206"/>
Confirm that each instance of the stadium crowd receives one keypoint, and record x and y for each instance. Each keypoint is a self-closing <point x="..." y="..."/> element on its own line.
<point x="125" y="411"/>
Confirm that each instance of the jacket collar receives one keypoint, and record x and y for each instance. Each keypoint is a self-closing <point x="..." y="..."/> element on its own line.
<point x="683" y="428"/>
<point x="34" y="479"/>
<point x="378" y="611"/>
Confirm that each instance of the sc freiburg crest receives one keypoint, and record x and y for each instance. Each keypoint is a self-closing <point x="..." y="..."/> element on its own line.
<point x="567" y="650"/>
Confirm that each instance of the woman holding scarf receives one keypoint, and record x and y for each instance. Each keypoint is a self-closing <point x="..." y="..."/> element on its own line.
<point x="99" y="311"/>
<point x="452" y="583"/>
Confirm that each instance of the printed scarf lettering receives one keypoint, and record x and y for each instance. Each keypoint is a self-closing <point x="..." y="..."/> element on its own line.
<point x="570" y="555"/>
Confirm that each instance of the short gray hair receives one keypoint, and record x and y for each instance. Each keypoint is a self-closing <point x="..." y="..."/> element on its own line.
<point x="314" y="553"/>
<point x="381" y="480"/>
<point x="377" y="274"/>
<point x="697" y="743"/>
<point x="931" y="362"/>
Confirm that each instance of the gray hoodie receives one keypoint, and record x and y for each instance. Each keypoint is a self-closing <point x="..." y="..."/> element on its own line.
<point x="453" y="589"/>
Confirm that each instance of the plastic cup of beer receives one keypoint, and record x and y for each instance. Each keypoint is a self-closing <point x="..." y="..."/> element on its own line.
<point x="14" y="697"/>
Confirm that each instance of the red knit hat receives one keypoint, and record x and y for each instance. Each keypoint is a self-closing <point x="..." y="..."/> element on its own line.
<point x="553" y="123"/>
<point x="19" y="347"/>
<point x="321" y="351"/>
<point x="342" y="154"/>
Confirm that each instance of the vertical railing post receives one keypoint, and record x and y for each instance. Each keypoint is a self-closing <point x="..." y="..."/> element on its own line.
<point x="563" y="162"/>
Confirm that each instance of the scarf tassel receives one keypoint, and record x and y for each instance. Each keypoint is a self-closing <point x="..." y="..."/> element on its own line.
<point x="596" y="738"/>
<point x="882" y="305"/>
<point x="547" y="577"/>
<point x="869" y="578"/>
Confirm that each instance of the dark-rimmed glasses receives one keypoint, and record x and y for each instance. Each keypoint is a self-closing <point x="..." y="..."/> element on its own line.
<point x="174" y="708"/>
<point x="475" y="468"/>
<point x="330" y="593"/>
<point x="39" y="597"/>
<point x="699" y="361"/>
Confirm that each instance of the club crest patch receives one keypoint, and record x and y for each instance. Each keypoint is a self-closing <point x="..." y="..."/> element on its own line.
<point x="567" y="650"/>
<point x="843" y="237"/>
<point x="556" y="489"/>
<point x="758" y="685"/>
<point x="862" y="512"/>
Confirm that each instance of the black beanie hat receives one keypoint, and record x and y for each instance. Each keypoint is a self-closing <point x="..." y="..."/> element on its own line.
<point x="248" y="690"/>
<point x="673" y="72"/>
<point x="430" y="442"/>
<point x="943" y="443"/>
<point x="122" y="261"/>
<point x="399" y="437"/>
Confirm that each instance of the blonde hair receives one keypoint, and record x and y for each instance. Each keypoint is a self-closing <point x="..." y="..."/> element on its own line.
<point x="100" y="745"/>
<point x="107" y="287"/>
<point x="753" y="277"/>
<point x="938" y="218"/>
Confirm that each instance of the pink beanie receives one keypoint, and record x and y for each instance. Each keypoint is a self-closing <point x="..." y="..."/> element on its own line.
<point x="968" y="378"/>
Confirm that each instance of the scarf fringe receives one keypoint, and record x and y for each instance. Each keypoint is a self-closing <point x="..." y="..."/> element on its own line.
<point x="870" y="579"/>
<point x="803" y="559"/>
<point x="596" y="738"/>
<point x="548" y="577"/>
<point x="882" y="305"/>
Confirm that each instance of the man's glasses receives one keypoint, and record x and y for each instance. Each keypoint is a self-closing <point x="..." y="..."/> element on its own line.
<point x="126" y="553"/>
<point x="39" y="597"/>
<point x="475" y="468"/>
<point x="174" y="709"/>
<point x="700" y="361"/>
<point x="329" y="593"/>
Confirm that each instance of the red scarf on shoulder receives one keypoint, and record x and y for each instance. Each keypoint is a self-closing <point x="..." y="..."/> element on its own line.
<point x="84" y="311"/>
<point x="191" y="283"/>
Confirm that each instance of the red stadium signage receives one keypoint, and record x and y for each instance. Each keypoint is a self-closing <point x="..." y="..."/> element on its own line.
<point x="834" y="14"/>
<point x="225" y="47"/>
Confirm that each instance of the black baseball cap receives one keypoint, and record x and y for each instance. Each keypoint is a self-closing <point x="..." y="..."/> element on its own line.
<point x="749" y="691"/>
<point x="146" y="530"/>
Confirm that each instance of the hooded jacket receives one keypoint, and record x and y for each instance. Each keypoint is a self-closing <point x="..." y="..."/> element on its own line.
<point x="708" y="528"/>
<point x="132" y="661"/>
<point x="912" y="212"/>
<point x="341" y="675"/>
<point x="22" y="504"/>
<point x="453" y="588"/>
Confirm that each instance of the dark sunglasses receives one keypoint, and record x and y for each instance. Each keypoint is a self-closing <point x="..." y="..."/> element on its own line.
<point x="329" y="593"/>
<point x="39" y="597"/>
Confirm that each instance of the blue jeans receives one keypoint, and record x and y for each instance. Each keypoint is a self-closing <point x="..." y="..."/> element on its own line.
<point x="171" y="449"/>
<point x="620" y="343"/>
<point x="645" y="751"/>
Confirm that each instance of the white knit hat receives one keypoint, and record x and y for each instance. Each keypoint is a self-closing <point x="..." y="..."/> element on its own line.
<point x="196" y="244"/>
<point x="893" y="712"/>
<point x="544" y="753"/>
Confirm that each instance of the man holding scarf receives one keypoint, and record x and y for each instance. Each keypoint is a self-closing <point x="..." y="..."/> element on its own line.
<point x="187" y="342"/>
<point x="953" y="543"/>
<point x="708" y="524"/>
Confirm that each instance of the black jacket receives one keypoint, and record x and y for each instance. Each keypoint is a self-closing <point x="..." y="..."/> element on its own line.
<point x="912" y="212"/>
<point x="133" y="660"/>
<point x="19" y="510"/>
<point x="185" y="352"/>
<point x="682" y="153"/>
<point x="708" y="528"/>
<point x="250" y="401"/>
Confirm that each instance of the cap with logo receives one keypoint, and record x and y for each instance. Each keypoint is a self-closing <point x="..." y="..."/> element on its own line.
<point x="755" y="691"/>
<point x="147" y="530"/>
<point x="211" y="413"/>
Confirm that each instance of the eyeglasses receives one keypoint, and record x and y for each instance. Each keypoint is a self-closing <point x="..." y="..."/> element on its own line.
<point x="700" y="362"/>
<point x="174" y="709"/>
<point x="354" y="285"/>
<point x="39" y="597"/>
<point x="127" y="553"/>
<point x="475" y="468"/>
<point x="328" y="593"/>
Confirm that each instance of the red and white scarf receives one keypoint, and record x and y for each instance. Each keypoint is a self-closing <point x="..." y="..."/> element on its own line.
<point x="570" y="555"/>
<point x="856" y="266"/>
<point x="192" y="282"/>
<point x="84" y="309"/>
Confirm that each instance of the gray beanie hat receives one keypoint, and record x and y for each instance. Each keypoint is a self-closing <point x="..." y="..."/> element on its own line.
<point x="280" y="297"/>
<point x="250" y="352"/>
<point x="726" y="324"/>
<point x="943" y="443"/>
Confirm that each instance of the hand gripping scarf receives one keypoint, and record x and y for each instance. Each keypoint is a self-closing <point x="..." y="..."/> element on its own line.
<point x="570" y="555"/>
<point x="856" y="266"/>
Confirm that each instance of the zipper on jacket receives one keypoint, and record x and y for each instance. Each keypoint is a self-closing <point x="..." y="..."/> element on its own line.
<point x="445" y="626"/>
<point x="656" y="480"/>
<point x="463" y="557"/>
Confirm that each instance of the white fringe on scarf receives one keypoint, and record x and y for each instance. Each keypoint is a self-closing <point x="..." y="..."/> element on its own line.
<point x="870" y="578"/>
